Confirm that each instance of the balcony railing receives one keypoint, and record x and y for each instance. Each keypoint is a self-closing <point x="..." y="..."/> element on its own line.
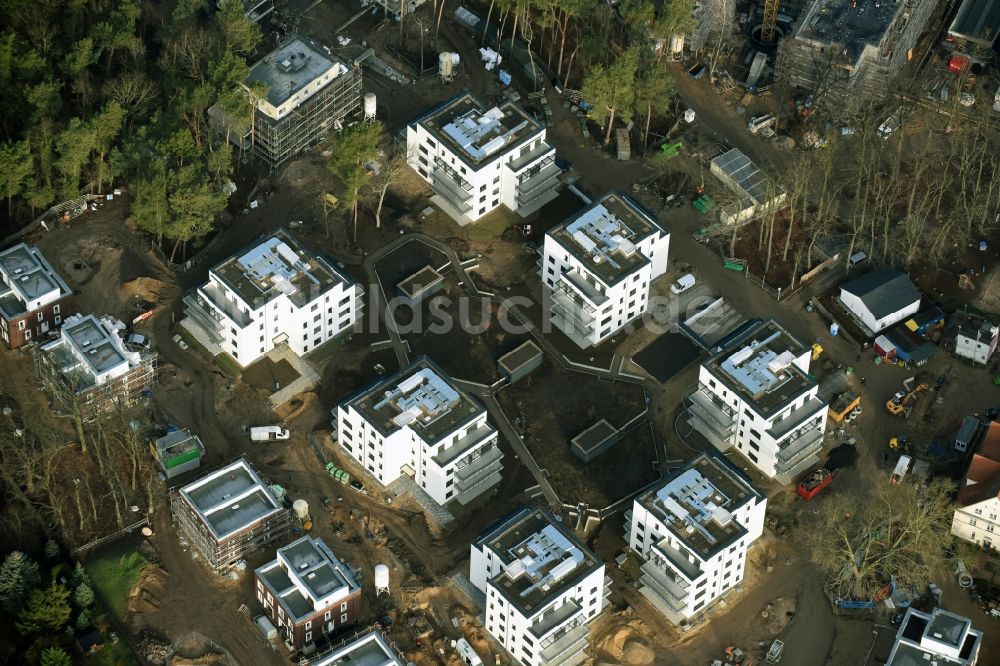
<point x="585" y="288"/>
<point x="669" y="593"/>
<point x="800" y="446"/>
<point x="565" y="301"/>
<point x="206" y="318"/>
<point x="566" y="643"/>
<point x="531" y="156"/>
<point x="445" y="185"/>
<point x="477" y="462"/>
<point x="714" y="421"/>
<point x="685" y="568"/>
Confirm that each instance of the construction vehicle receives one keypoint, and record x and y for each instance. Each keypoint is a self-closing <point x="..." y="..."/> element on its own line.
<point x="813" y="484"/>
<point x="737" y="657"/>
<point x="897" y="403"/>
<point x="817" y="351"/>
<point x="844" y="405"/>
<point x="900" y="442"/>
<point x="902" y="467"/>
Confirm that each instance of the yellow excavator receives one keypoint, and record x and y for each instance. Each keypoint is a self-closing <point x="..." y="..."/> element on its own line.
<point x="897" y="404"/>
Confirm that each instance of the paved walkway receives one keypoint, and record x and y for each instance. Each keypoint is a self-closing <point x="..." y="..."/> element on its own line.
<point x="308" y="378"/>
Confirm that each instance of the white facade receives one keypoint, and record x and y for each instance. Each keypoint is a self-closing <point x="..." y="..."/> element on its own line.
<point x="977" y="515"/>
<point x="876" y="323"/>
<point x="880" y="299"/>
<point x="979" y="523"/>
<point x="597" y="268"/>
<point x="476" y="159"/>
<point x="369" y="649"/>
<point x="756" y="396"/>
<point x="29" y="279"/>
<point x="693" y="534"/>
<point x="275" y="293"/>
<point x="938" y="638"/>
<point x="976" y="344"/>
<point x="543" y="588"/>
<point x="90" y="351"/>
<point x="419" y="424"/>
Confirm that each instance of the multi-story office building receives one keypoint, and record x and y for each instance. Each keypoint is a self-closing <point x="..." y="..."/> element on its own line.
<point x="419" y="424"/>
<point x="756" y="395"/>
<point x="693" y="534"/>
<point x="597" y="268"/>
<point x="308" y="593"/>
<point x="34" y="300"/>
<point x="477" y="158"/>
<point x="276" y="293"/>
<point x="543" y="587"/>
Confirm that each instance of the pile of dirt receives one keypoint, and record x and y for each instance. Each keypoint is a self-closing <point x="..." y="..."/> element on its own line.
<point x="144" y="289"/>
<point x="628" y="644"/>
<point x="147" y="592"/>
<point x="197" y="650"/>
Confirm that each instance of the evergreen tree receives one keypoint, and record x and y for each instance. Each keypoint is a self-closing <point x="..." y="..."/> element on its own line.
<point x="51" y="549"/>
<point x="55" y="656"/>
<point x="18" y="575"/>
<point x="47" y="610"/>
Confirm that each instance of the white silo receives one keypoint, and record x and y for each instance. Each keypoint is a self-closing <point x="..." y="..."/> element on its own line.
<point x="381" y="579"/>
<point x="446" y="65"/>
<point x="370" y="106"/>
<point x="301" y="509"/>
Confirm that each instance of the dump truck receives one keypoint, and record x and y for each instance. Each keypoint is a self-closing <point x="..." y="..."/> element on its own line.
<point x="813" y="484"/>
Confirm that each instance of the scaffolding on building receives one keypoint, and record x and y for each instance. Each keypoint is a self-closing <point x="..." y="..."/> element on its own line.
<point x="275" y="142"/>
<point x="851" y="51"/>
<point x="93" y="402"/>
<point x="222" y="554"/>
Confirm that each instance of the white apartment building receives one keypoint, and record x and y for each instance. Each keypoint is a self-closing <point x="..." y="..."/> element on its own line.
<point x="476" y="158"/>
<point x="275" y="293"/>
<point x="543" y="587"/>
<point x="692" y="535"/>
<point x="976" y="343"/>
<point x="419" y="424"/>
<point x="977" y="516"/>
<point x="755" y="395"/>
<point x="938" y="638"/>
<point x="598" y="266"/>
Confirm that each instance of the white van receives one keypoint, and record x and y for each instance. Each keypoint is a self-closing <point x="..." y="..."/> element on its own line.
<point x="268" y="433"/>
<point x="682" y="284"/>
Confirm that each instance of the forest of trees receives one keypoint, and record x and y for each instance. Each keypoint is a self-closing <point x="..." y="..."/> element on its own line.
<point x="101" y="90"/>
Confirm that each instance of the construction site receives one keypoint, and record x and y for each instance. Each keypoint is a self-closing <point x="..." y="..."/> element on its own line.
<point x="849" y="49"/>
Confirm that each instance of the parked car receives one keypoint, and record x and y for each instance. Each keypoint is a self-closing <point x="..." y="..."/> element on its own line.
<point x="268" y="433"/>
<point x="682" y="284"/>
<point x="889" y="126"/>
<point x="357" y="485"/>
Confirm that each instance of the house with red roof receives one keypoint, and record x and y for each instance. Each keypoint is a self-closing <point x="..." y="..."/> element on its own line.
<point x="977" y="517"/>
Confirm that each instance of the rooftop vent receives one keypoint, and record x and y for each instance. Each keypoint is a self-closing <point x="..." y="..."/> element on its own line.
<point x="17" y="271"/>
<point x="235" y="506"/>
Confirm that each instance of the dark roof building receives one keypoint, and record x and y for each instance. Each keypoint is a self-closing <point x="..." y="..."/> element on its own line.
<point x="977" y="22"/>
<point x="880" y="299"/>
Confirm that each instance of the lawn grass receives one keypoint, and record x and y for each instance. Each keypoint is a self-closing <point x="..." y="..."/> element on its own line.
<point x="228" y="365"/>
<point x="114" y="573"/>
<point x="490" y="227"/>
<point x="192" y="342"/>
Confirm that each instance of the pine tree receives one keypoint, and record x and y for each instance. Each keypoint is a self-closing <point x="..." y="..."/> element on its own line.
<point x="51" y="549"/>
<point x="55" y="656"/>
<point x="47" y="610"/>
<point x="18" y="574"/>
<point x="83" y="596"/>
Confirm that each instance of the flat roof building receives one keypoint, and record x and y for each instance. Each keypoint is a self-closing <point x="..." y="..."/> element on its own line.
<point x="597" y="268"/>
<point x="976" y="25"/>
<point x="34" y="299"/>
<point x="366" y="649"/>
<point x="756" y="395"/>
<point x="939" y="637"/>
<point x="543" y="587"/>
<point x="90" y="359"/>
<point x="418" y="423"/>
<point x="308" y="592"/>
<point x="476" y="158"/>
<point x="309" y="93"/>
<point x="851" y="51"/>
<point x="276" y="292"/>
<point x="693" y="534"/>
<point x="228" y="514"/>
<point x="177" y="452"/>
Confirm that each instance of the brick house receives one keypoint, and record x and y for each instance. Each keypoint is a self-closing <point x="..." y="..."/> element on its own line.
<point x="34" y="299"/>
<point x="308" y="593"/>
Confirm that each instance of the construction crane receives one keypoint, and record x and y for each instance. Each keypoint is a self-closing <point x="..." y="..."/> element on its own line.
<point x="770" y="21"/>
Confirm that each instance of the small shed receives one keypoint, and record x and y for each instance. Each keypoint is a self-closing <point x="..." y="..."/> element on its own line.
<point x="910" y="347"/>
<point x="520" y="362"/>
<point x="967" y="432"/>
<point x="926" y="321"/>
<point x="885" y="348"/>
<point x="421" y="285"/>
<point x="178" y="452"/>
<point x="594" y="441"/>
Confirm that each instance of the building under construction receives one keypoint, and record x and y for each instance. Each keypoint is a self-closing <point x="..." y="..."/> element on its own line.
<point x="851" y="48"/>
<point x="228" y="515"/>
<point x="89" y="371"/>
<point x="303" y="94"/>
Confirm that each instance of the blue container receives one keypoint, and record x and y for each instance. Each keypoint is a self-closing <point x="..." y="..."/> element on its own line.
<point x="834" y="329"/>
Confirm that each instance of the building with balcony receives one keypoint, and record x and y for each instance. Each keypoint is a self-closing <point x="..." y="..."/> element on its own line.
<point x="308" y="593"/>
<point x="419" y="424"/>
<point x="939" y="637"/>
<point x="692" y="535"/>
<point x="756" y="396"/>
<point x="88" y="368"/>
<point x="477" y="158"/>
<point x="229" y="514"/>
<point x="597" y="268"/>
<point x="543" y="587"/>
<point x="308" y="93"/>
<point x="275" y="293"/>
<point x="34" y="300"/>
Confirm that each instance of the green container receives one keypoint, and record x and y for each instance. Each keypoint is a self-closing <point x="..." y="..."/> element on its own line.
<point x="170" y="463"/>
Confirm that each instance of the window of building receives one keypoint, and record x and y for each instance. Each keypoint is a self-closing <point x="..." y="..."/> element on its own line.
<point x="20" y="325"/>
<point x="752" y="457"/>
<point x="309" y="636"/>
<point x="55" y="309"/>
<point x="309" y="624"/>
